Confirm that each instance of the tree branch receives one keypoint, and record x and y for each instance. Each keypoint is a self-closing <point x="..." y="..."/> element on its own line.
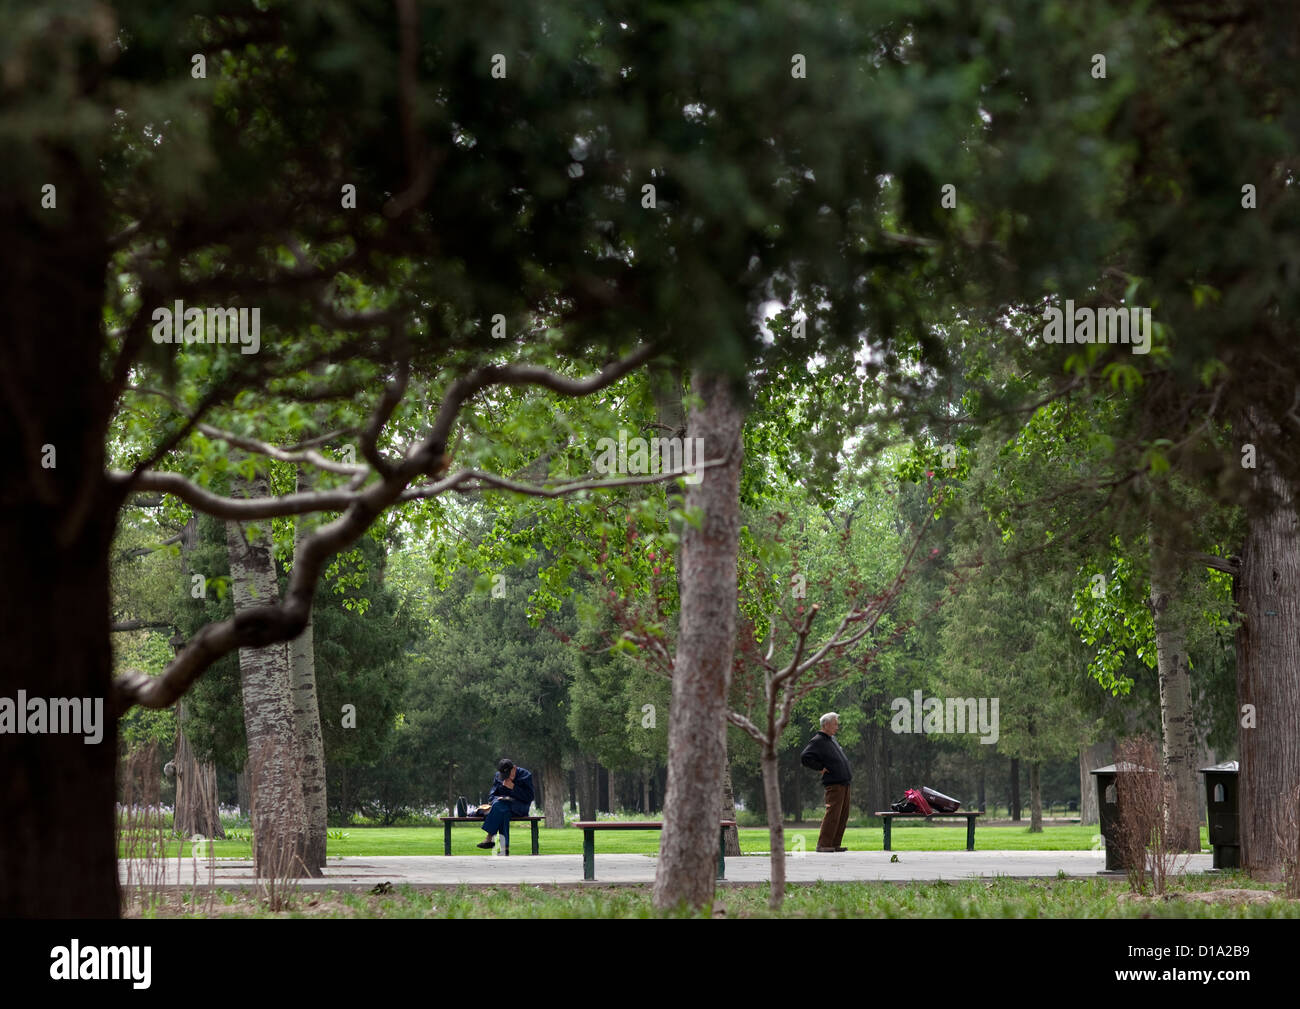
<point x="135" y="552"/>
<point x="259" y="626"/>
<point x="285" y="455"/>
<point x="1229" y="565"/>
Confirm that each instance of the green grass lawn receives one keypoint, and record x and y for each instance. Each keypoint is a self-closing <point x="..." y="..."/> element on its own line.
<point x="909" y="835"/>
<point x="982" y="898"/>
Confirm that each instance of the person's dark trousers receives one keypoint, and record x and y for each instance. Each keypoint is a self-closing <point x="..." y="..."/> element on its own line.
<point x="497" y="820"/>
<point x="836" y="818"/>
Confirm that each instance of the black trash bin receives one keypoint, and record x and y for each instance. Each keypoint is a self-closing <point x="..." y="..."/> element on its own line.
<point x="1108" y="810"/>
<point x="1221" y="811"/>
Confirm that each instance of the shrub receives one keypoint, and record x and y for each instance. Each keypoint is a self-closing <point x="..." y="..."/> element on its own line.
<point x="1144" y="807"/>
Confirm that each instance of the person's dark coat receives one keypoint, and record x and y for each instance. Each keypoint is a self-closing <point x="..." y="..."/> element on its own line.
<point x="520" y="797"/>
<point x="823" y="751"/>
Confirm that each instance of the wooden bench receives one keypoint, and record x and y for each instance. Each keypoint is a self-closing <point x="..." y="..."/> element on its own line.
<point x="890" y="816"/>
<point x="447" y="821"/>
<point x="589" y="828"/>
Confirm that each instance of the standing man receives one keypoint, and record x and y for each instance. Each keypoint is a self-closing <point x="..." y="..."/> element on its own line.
<point x="511" y="795"/>
<point x="826" y="755"/>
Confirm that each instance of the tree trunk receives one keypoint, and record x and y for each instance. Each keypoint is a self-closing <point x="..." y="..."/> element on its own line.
<point x="274" y="761"/>
<point x="1015" y="790"/>
<point x="1090" y="757"/>
<point x="1268" y="669"/>
<point x="311" y="745"/>
<point x="58" y="854"/>
<point x="553" y="792"/>
<point x="979" y="801"/>
<point x="197" y="810"/>
<point x="697" y="728"/>
<point x="729" y="811"/>
<point x="876" y="771"/>
<point x="245" y="792"/>
<point x="306" y="719"/>
<point x="1035" y="799"/>
<point x="585" y="769"/>
<point x="645" y="793"/>
<point x="775" y="826"/>
<point x="57" y="518"/>
<point x="1178" y="728"/>
<point x="1205" y="757"/>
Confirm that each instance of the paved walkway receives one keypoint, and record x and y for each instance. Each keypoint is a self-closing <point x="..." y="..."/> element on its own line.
<point x="362" y="873"/>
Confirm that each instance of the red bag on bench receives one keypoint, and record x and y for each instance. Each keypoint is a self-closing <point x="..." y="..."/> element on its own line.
<point x="941" y="803"/>
<point x="919" y="801"/>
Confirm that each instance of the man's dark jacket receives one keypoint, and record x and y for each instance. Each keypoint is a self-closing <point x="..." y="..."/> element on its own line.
<point x="520" y="797"/>
<point x="823" y="751"/>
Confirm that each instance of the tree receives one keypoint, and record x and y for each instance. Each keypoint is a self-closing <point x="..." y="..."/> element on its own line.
<point x="1268" y="684"/>
<point x="266" y="679"/>
<point x="206" y="155"/>
<point x="1217" y="388"/>
<point x="776" y="665"/>
<point x="697" y="732"/>
<point x="307" y="729"/>
<point x="1004" y="640"/>
<point x="367" y="633"/>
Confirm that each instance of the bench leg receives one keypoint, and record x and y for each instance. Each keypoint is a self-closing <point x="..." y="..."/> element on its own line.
<point x="888" y="822"/>
<point x="970" y="833"/>
<point x="588" y="853"/>
<point x="722" y="853"/>
<point x="535" y="849"/>
<point x="446" y="839"/>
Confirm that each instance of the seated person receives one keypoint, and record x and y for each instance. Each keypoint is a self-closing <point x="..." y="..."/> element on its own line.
<point x="511" y="795"/>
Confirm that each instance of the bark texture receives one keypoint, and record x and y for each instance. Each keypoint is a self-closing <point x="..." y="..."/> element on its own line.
<point x="1035" y="798"/>
<point x="274" y="761"/>
<point x="875" y="776"/>
<point x="728" y="812"/>
<point x="697" y="727"/>
<point x="775" y="826"/>
<point x="1091" y="756"/>
<point x="311" y="744"/>
<point x="553" y="792"/>
<point x="1178" y="728"/>
<point x="1268" y="668"/>
<point x="306" y="717"/>
<point x="585" y="770"/>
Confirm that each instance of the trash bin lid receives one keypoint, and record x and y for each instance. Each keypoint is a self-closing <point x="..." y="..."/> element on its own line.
<point x="1123" y="765"/>
<point x="1227" y="767"/>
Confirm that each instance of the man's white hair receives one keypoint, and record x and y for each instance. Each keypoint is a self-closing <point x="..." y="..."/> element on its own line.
<point x="826" y="718"/>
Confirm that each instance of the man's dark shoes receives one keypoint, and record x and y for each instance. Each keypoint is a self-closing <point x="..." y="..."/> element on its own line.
<point x="829" y="851"/>
<point x="486" y="844"/>
<point x="841" y="849"/>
